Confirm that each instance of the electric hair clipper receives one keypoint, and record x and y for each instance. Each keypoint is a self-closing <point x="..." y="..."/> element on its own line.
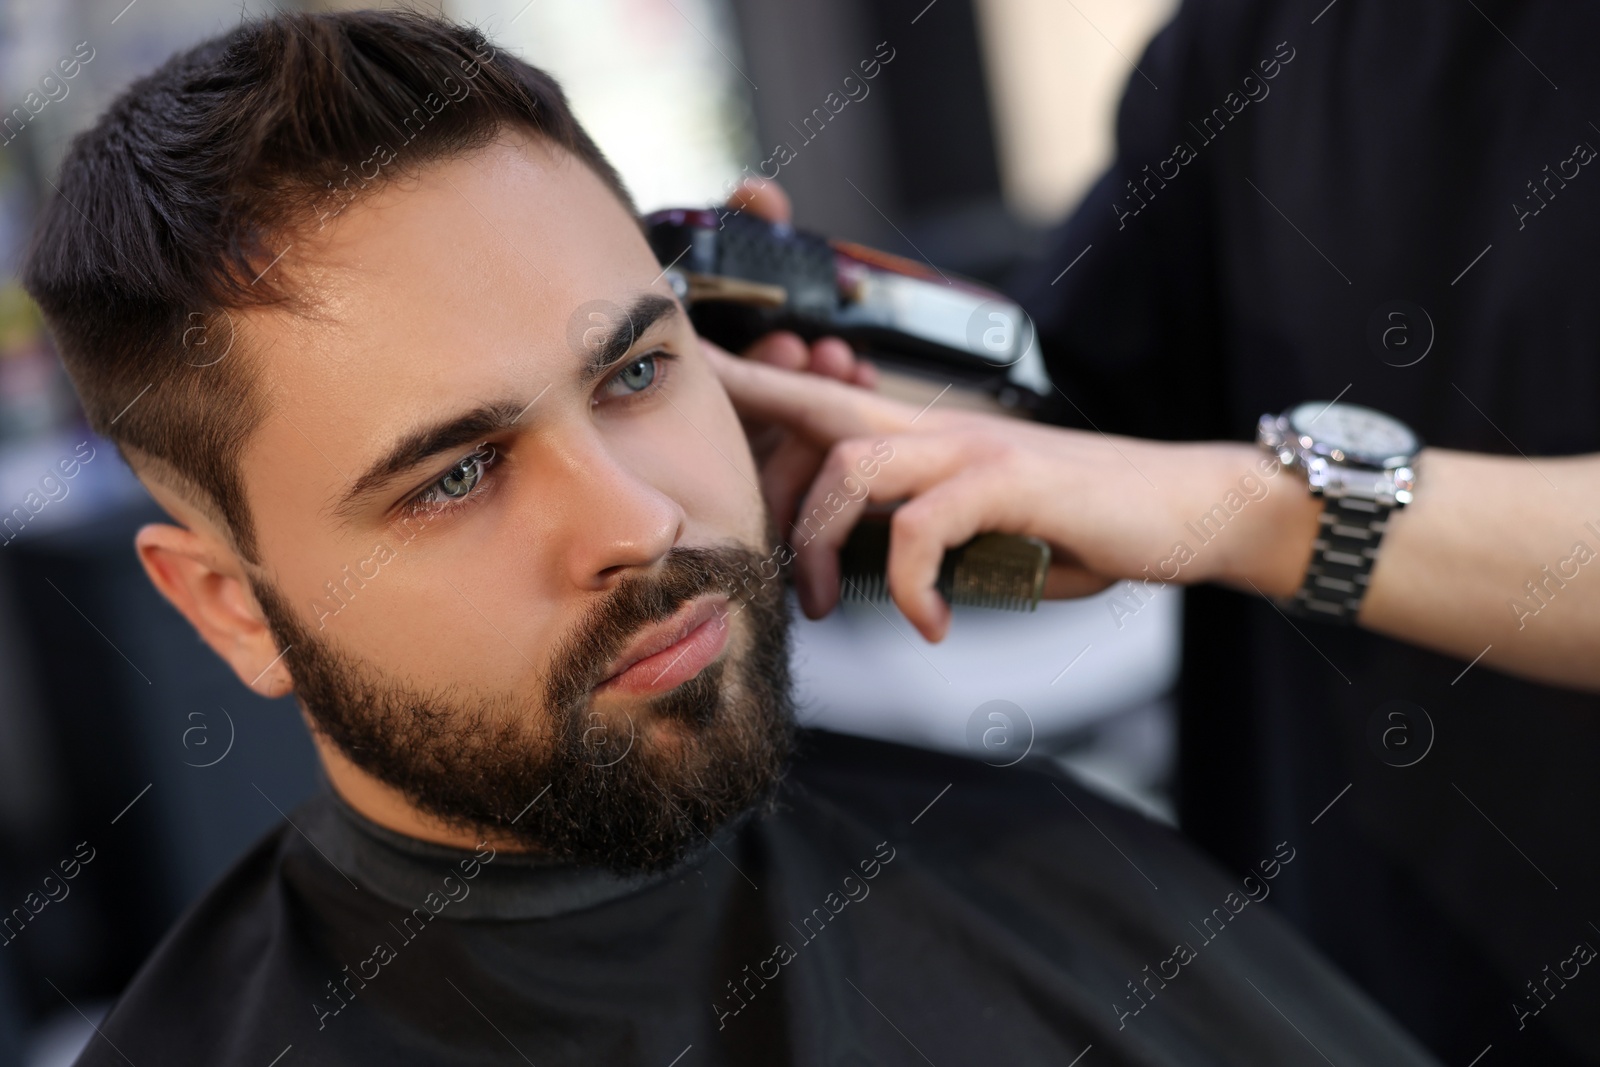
<point x="741" y="277"/>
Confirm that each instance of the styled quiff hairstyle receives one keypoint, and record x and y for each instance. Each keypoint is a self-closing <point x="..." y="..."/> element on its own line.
<point x="172" y="207"/>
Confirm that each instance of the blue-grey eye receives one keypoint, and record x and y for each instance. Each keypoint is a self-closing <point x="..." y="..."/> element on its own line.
<point x="638" y="375"/>
<point x="462" y="478"/>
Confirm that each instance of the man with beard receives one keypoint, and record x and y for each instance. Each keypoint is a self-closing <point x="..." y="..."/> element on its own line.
<point x="464" y="481"/>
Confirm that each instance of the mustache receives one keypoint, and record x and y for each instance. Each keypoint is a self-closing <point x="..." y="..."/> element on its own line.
<point x="579" y="661"/>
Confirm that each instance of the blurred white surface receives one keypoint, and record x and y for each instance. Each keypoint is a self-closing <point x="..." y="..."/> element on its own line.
<point x="1068" y="666"/>
<point x="659" y="85"/>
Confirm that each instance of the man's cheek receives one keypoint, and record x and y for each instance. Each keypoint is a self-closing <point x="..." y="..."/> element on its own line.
<point x="700" y="387"/>
<point x="710" y="438"/>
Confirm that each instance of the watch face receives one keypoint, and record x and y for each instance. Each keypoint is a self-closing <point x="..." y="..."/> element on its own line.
<point x="1353" y="433"/>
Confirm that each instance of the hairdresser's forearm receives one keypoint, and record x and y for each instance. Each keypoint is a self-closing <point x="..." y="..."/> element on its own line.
<point x="1454" y="569"/>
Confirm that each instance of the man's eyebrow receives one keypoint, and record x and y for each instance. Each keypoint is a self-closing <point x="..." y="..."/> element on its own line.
<point x="607" y="348"/>
<point x="420" y="445"/>
<point x="610" y="342"/>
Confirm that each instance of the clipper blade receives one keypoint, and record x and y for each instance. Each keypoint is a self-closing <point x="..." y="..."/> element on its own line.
<point x="993" y="570"/>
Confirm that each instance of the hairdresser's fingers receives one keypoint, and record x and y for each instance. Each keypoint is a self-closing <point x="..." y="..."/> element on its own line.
<point x="833" y="358"/>
<point x="866" y="374"/>
<point x="819" y="408"/>
<point x="924" y="528"/>
<point x="764" y="198"/>
<point x="786" y="473"/>
<point x="830" y="357"/>
<point x="855" y="472"/>
<point x="780" y="348"/>
<point x="918" y="464"/>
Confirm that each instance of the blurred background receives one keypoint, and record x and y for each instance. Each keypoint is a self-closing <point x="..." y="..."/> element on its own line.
<point x="123" y="738"/>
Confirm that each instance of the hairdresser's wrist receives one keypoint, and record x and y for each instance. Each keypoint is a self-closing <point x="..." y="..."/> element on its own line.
<point x="1257" y="523"/>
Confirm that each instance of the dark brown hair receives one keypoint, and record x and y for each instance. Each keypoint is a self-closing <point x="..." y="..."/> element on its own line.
<point x="171" y="207"/>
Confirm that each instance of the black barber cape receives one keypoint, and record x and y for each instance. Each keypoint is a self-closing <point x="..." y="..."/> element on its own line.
<point x="901" y="907"/>
<point x="1396" y="202"/>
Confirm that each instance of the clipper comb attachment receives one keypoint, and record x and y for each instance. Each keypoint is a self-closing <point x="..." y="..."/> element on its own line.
<point x="993" y="570"/>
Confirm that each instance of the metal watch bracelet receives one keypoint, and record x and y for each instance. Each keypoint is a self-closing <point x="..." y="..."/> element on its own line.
<point x="1346" y="547"/>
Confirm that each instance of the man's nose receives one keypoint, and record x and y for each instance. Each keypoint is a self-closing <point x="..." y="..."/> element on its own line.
<point x="618" y="520"/>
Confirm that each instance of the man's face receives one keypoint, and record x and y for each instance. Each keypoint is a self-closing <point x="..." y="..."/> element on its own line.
<point x="467" y="526"/>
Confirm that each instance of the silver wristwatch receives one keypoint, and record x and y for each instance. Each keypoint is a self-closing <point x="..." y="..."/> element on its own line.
<point x="1363" y="465"/>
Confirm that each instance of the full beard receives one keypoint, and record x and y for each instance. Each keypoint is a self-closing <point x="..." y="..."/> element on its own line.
<point x="631" y="790"/>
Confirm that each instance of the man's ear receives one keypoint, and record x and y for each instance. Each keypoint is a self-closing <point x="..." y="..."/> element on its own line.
<point x="206" y="582"/>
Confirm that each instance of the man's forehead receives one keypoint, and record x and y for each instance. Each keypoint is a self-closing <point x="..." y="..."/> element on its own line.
<point x="476" y="266"/>
<point x="466" y="279"/>
<point x="519" y="231"/>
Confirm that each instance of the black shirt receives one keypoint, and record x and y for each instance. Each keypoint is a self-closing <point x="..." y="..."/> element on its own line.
<point x="1299" y="173"/>
<point x="898" y="906"/>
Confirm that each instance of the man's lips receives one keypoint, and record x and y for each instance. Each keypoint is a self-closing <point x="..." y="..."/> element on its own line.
<point x="673" y="651"/>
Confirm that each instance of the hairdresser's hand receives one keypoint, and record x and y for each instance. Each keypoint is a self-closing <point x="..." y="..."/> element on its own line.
<point x="1109" y="507"/>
